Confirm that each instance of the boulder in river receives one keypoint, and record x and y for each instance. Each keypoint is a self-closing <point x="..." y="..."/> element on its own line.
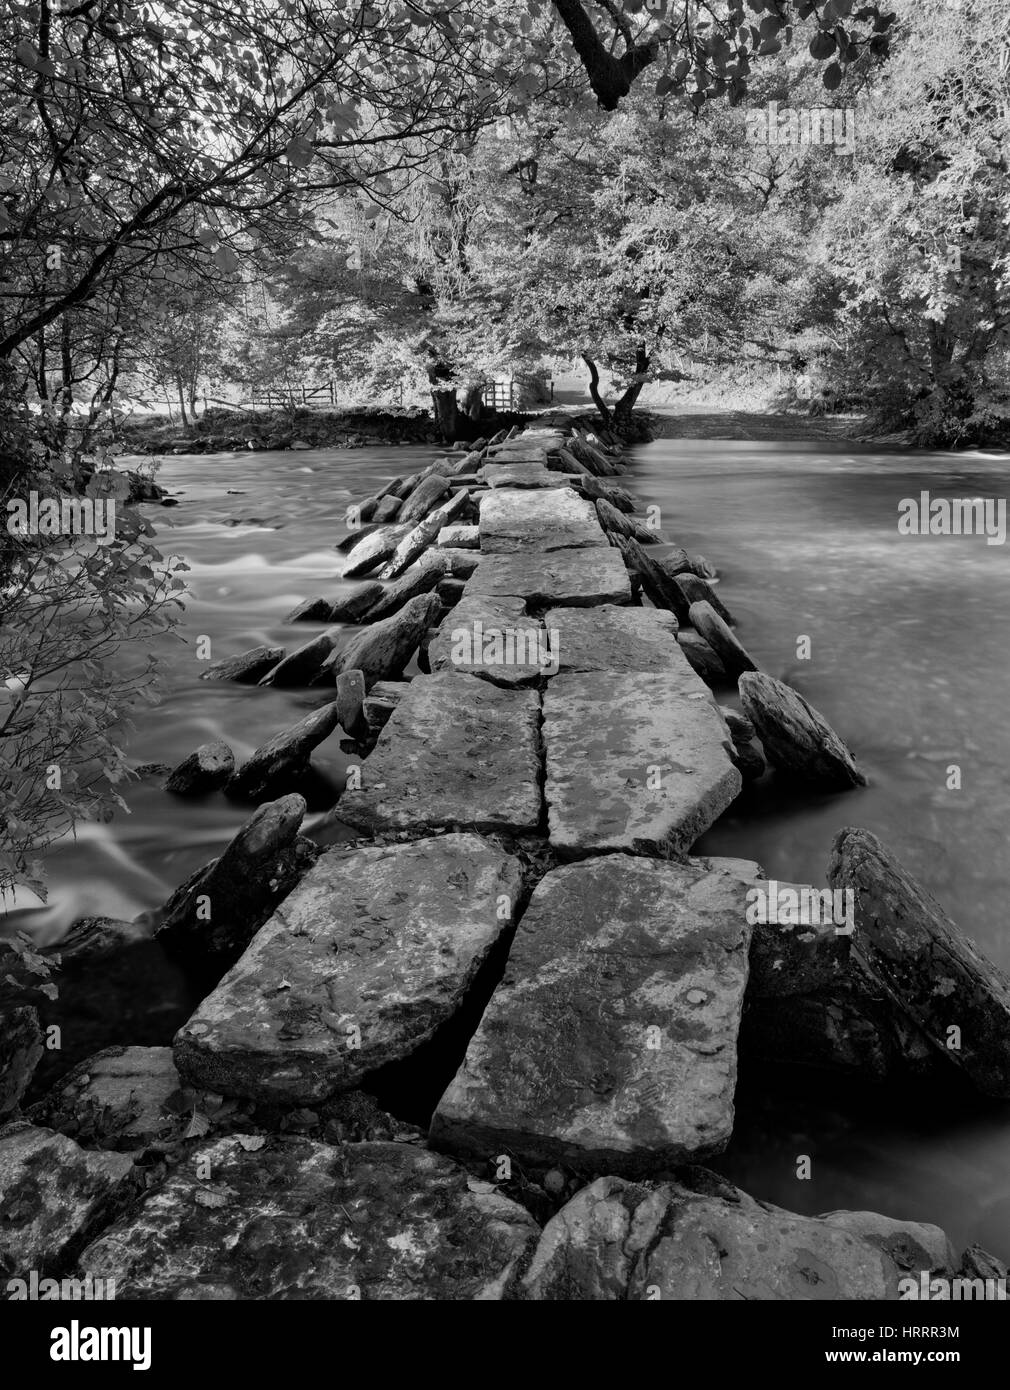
<point x="284" y="758"/>
<point x="851" y="1026"/>
<point x="211" y="918"/>
<point x="958" y="998"/>
<point x="205" y="770"/>
<point x="409" y="547"/>
<point x="382" y="650"/>
<point x="350" y="698"/>
<point x="294" y="1219"/>
<point x="52" y="1195"/>
<point x="595" y="489"/>
<point x="420" y="578"/>
<point x="310" y="610"/>
<point x="369" y="552"/>
<point x="387" y="509"/>
<point x="717" y="634"/>
<point x="303" y="664"/>
<point x="353" y="608"/>
<point x="697" y="590"/>
<point x="796" y="738"/>
<point x="247" y="668"/>
<point x="703" y="659"/>
<point x="657" y="584"/>
<point x="703" y="1239"/>
<point x="615" y="522"/>
<point x="424" y="498"/>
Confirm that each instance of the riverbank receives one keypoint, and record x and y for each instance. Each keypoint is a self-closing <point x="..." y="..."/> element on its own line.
<point x="579" y="537"/>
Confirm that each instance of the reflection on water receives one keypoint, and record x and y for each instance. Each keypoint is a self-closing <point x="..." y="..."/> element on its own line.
<point x="909" y="659"/>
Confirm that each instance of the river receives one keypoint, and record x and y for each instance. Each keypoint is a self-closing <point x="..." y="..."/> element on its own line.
<point x="909" y="660"/>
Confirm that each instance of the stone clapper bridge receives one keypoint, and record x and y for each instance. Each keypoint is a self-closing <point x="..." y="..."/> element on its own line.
<point x="610" y="1043"/>
<point x="524" y="877"/>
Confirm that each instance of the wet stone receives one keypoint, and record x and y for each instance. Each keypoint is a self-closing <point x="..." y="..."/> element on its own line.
<point x="457" y="753"/>
<point x="612" y="638"/>
<point x="576" y="578"/>
<point x="51" y="1193"/>
<point x="537" y="519"/>
<point x="490" y="638"/>
<point x="295" y="1219"/>
<point x="610" y="1044"/>
<point x="365" y="959"/>
<point x="634" y="762"/>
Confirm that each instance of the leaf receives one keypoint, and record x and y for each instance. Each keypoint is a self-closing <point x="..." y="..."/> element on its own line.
<point x="822" y="46"/>
<point x="226" y="260"/>
<point x="299" y="152"/>
<point x="27" y="54"/>
<point x="197" y="1127"/>
<point x="832" y="77"/>
<point x="252" y="1142"/>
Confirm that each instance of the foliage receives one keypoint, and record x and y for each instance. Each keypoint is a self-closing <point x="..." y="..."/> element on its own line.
<point x="67" y="604"/>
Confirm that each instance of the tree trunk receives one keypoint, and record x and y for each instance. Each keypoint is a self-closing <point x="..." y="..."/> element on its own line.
<point x="446" y="412"/>
<point x="594" y="389"/>
<point x="182" y="401"/>
<point x="624" y="407"/>
<point x="473" y="401"/>
<point x="42" y="366"/>
<point x="67" y="365"/>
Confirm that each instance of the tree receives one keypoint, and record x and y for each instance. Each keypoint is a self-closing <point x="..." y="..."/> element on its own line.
<point x="67" y="604"/>
<point x="916" y="252"/>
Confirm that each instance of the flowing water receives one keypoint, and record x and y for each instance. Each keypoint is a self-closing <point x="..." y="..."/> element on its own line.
<point x="909" y="659"/>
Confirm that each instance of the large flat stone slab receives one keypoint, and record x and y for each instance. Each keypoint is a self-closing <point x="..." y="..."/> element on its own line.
<point x="620" y="639"/>
<point x="51" y="1193"/>
<point x="360" y="965"/>
<point x="127" y="1087"/>
<point x="294" y="1219"/>
<point x="516" y="451"/>
<point x="490" y="638"/>
<point x="634" y="763"/>
<point x="575" y="578"/>
<point x="564" y="1067"/>
<point x="538" y="519"/>
<point x="518" y="475"/>
<point x="457" y="753"/>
